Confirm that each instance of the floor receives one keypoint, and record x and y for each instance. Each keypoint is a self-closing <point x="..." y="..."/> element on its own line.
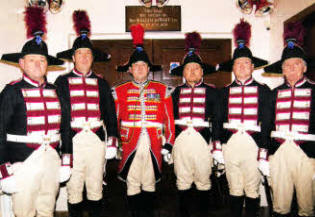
<point x="167" y="205"/>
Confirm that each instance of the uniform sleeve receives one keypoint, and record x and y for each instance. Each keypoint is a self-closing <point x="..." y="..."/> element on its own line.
<point x="169" y="126"/>
<point x="65" y="128"/>
<point x="175" y="96"/>
<point x="63" y="89"/>
<point x="266" y="110"/>
<point x="218" y="117"/>
<point x="7" y="101"/>
<point x="117" y="107"/>
<point x="268" y="122"/>
<point x="109" y="115"/>
<point x="211" y="103"/>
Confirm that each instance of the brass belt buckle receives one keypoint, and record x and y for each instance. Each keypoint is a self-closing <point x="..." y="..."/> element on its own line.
<point x="289" y="136"/>
<point x="46" y="141"/>
<point x="241" y="128"/>
<point x="86" y="126"/>
<point x="189" y="123"/>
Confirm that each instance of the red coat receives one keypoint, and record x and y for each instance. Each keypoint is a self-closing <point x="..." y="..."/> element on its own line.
<point x="151" y="109"/>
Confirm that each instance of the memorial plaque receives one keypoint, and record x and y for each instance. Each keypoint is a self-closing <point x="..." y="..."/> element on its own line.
<point x="167" y="18"/>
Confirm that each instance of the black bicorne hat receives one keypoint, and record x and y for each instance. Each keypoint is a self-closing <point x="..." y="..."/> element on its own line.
<point x="35" y="23"/>
<point x="292" y="50"/>
<point x="82" y="27"/>
<point x="192" y="44"/>
<point x="139" y="54"/>
<point x="293" y="39"/>
<point x="242" y="35"/>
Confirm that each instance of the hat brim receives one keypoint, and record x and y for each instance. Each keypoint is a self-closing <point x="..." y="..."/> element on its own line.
<point x="259" y="63"/>
<point x="228" y="65"/>
<point x="98" y="55"/>
<point x="49" y="68"/>
<point x="207" y="69"/>
<point x="273" y="69"/>
<point x="14" y="58"/>
<point x="225" y="66"/>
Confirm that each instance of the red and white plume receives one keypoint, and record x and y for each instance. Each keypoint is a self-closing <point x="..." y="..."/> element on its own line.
<point x="193" y="40"/>
<point x="294" y="31"/>
<point x="81" y="22"/>
<point x="35" y="20"/>
<point x="242" y="31"/>
<point x="137" y="33"/>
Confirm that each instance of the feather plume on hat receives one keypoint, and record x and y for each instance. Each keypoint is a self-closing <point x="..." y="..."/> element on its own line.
<point x="81" y="22"/>
<point x="294" y="32"/>
<point x="242" y="33"/>
<point x="35" y="21"/>
<point x="137" y="34"/>
<point x="193" y="41"/>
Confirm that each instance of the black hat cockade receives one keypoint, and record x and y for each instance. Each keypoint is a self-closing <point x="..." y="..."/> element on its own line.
<point x="242" y="35"/>
<point x="192" y="46"/>
<point x="139" y="54"/>
<point x="82" y="28"/>
<point x="293" y="37"/>
<point x="35" y="21"/>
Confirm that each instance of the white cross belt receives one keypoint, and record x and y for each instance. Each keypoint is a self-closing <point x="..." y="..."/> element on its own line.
<point x="86" y="124"/>
<point x="241" y="127"/>
<point x="141" y="124"/>
<point x="36" y="139"/>
<point x="291" y="135"/>
<point x="192" y="123"/>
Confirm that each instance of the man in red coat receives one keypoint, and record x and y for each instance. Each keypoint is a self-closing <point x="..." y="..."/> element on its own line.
<point x="146" y="124"/>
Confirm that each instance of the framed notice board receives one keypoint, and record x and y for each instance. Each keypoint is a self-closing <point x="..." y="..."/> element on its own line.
<point x="167" y="18"/>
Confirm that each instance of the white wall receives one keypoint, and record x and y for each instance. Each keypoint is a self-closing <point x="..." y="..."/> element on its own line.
<point x="12" y="36"/>
<point x="108" y="20"/>
<point x="214" y="20"/>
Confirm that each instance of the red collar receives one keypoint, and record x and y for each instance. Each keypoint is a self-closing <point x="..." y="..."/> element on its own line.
<point x="247" y="82"/>
<point x="196" y="85"/>
<point x="298" y="83"/>
<point x="80" y="74"/>
<point x="33" y="82"/>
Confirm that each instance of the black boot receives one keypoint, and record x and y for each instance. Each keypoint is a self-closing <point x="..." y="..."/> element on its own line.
<point x="134" y="203"/>
<point x="236" y="203"/>
<point x="148" y="204"/>
<point x="275" y="214"/>
<point x="184" y="202"/>
<point x="75" y="210"/>
<point x="95" y="208"/>
<point x="203" y="203"/>
<point x="252" y="207"/>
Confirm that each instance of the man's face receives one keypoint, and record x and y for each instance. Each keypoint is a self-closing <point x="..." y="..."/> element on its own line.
<point x="83" y="59"/>
<point x="293" y="69"/>
<point x="34" y="66"/>
<point x="243" y="68"/>
<point x="193" y="72"/>
<point x="140" y="71"/>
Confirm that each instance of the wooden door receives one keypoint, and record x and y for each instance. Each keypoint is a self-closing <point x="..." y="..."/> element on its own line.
<point x="162" y="52"/>
<point x="307" y="18"/>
